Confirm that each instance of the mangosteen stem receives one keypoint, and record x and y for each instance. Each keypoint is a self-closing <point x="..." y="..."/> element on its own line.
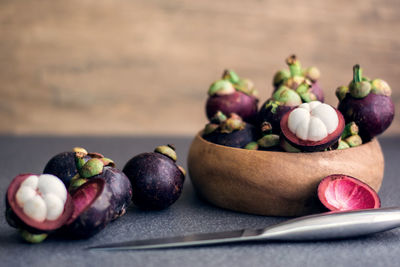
<point x="357" y="73"/>
<point x="294" y="66"/>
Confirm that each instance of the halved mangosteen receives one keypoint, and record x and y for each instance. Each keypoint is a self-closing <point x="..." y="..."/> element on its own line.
<point x="93" y="209"/>
<point x="37" y="205"/>
<point x="312" y="126"/>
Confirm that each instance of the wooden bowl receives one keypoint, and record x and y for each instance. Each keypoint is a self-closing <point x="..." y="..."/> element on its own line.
<point x="275" y="183"/>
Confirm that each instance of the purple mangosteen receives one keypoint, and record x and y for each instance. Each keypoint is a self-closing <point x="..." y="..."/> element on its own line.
<point x="367" y="103"/>
<point x="232" y="94"/>
<point x="232" y="131"/>
<point x="157" y="181"/>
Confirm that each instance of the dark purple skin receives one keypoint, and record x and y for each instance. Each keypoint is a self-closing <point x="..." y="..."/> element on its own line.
<point x="63" y="166"/>
<point x="373" y="114"/>
<point x="94" y="218"/>
<point x="120" y="187"/>
<point x="239" y="138"/>
<point x="243" y="105"/>
<point x="317" y="91"/>
<point x="156" y="180"/>
<point x="274" y="118"/>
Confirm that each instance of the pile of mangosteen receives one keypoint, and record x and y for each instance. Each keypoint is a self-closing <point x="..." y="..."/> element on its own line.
<point x="296" y="119"/>
<point x="79" y="193"/>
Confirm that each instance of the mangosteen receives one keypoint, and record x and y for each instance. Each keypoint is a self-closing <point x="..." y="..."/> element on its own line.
<point x="297" y="76"/>
<point x="340" y="192"/>
<point x="232" y="131"/>
<point x="313" y="126"/>
<point x="94" y="165"/>
<point x="367" y="103"/>
<point x="94" y="209"/>
<point x="37" y="205"/>
<point x="233" y="94"/>
<point x="156" y="179"/>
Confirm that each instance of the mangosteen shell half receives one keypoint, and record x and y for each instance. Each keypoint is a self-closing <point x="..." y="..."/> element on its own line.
<point x="312" y="146"/>
<point x="156" y="180"/>
<point x="237" y="138"/>
<point x="62" y="165"/>
<point x="349" y="192"/>
<point x="120" y="187"/>
<point x="18" y="219"/>
<point x="238" y="102"/>
<point x="373" y="114"/>
<point x="95" y="216"/>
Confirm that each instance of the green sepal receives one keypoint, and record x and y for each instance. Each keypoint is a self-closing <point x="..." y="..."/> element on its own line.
<point x="32" y="238"/>
<point x="167" y="150"/>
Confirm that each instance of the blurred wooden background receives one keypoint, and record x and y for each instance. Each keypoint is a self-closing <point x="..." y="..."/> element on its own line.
<point x="144" y="66"/>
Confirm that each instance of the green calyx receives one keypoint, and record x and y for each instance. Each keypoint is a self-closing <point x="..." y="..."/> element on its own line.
<point x="354" y="140"/>
<point x="294" y="66"/>
<point x="305" y="93"/>
<point x="273" y="104"/>
<point x="251" y="146"/>
<point x="231" y="76"/>
<point x="210" y="128"/>
<point x="350" y="129"/>
<point x="380" y="87"/>
<point x="246" y="86"/>
<point x="295" y="81"/>
<point x="269" y="140"/>
<point x="288" y="147"/>
<point x="218" y="117"/>
<point x="32" y="238"/>
<point x="221" y="87"/>
<point x="168" y="150"/>
<point x="287" y="96"/>
<point x="233" y="123"/>
<point x="312" y="73"/>
<point x="341" y="92"/>
<point x="280" y="77"/>
<point x="359" y="88"/>
<point x="343" y="145"/>
<point x="91" y="168"/>
<point x="75" y="183"/>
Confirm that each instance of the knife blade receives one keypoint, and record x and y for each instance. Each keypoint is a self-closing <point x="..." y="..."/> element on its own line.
<point x="330" y="225"/>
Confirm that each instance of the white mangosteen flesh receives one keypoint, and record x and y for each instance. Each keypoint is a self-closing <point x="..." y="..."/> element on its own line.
<point x="42" y="197"/>
<point x="313" y="121"/>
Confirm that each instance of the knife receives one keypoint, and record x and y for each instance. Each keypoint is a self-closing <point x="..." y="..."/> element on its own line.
<point x="330" y="225"/>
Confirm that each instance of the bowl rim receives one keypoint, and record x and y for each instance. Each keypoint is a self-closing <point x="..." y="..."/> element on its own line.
<point x="199" y="136"/>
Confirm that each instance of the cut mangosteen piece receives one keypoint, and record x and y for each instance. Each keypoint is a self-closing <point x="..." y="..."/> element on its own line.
<point x="156" y="179"/>
<point x="312" y="126"/>
<point x="37" y="204"/>
<point x="121" y="189"/>
<point x="93" y="209"/>
<point x="340" y="192"/>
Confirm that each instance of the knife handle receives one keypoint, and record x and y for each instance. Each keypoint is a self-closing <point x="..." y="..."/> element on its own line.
<point x="333" y="225"/>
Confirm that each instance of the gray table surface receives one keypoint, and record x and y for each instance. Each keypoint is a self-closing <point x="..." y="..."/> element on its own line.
<point x="188" y="215"/>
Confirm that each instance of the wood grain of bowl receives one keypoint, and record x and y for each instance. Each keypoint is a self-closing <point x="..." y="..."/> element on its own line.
<point x="275" y="183"/>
